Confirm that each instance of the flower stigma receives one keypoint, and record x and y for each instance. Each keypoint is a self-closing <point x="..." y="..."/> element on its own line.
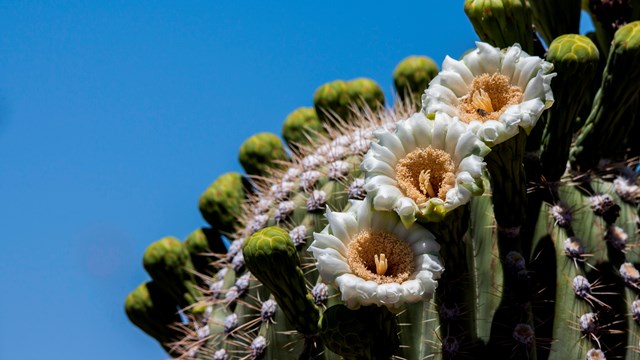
<point x="381" y="264"/>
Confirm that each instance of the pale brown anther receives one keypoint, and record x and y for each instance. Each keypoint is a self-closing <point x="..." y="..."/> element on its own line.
<point x="489" y="96"/>
<point x="381" y="257"/>
<point x="425" y="173"/>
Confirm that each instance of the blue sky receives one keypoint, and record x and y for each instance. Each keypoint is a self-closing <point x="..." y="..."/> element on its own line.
<point x="115" y="116"/>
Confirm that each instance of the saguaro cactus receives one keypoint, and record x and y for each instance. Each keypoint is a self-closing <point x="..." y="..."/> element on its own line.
<point x="492" y="223"/>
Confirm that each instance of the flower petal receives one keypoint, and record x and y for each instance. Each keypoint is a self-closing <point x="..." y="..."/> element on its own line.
<point x="323" y="241"/>
<point x="343" y="226"/>
<point x="383" y="154"/>
<point x="452" y="81"/>
<point x="510" y="61"/>
<point x="372" y="165"/>
<point x="390" y="141"/>
<point x="331" y="267"/>
<point x="404" y="132"/>
<point x="386" y="197"/>
<point x="484" y="60"/>
<point x="450" y="64"/>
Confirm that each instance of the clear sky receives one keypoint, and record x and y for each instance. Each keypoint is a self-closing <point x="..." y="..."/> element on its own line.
<point x="116" y="115"/>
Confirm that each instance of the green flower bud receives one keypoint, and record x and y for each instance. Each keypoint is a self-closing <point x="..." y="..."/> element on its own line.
<point x="332" y="99"/>
<point x="301" y="124"/>
<point x="221" y="203"/>
<point x="600" y="136"/>
<point x="201" y="244"/>
<point x="260" y="153"/>
<point x="412" y="76"/>
<point x="365" y="93"/>
<point x="272" y="258"/>
<point x="152" y="310"/>
<point x="168" y="263"/>
<point x="501" y="23"/>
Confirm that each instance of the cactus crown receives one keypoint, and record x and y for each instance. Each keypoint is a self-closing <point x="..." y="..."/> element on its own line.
<point x="470" y="220"/>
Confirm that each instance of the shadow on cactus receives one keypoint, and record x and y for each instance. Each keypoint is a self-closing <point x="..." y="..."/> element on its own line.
<point x="498" y="221"/>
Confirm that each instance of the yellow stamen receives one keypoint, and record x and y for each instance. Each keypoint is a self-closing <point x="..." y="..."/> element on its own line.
<point x="381" y="264"/>
<point x="482" y="101"/>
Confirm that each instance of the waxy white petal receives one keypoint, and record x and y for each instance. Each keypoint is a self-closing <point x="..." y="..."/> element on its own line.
<point x="329" y="250"/>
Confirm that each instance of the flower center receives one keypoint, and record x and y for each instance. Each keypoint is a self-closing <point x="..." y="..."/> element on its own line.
<point x="381" y="257"/>
<point x="488" y="98"/>
<point x="425" y="173"/>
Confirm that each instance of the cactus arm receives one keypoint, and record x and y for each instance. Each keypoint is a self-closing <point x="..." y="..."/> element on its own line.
<point x="571" y="55"/>
<point x="567" y="307"/>
<point x="599" y="136"/>
<point x="456" y="296"/>
<point x="485" y="260"/>
<point x="412" y="323"/>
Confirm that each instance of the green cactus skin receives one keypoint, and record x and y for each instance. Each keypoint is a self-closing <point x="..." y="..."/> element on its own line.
<point x="550" y="250"/>
<point x="367" y="333"/>
<point x="482" y="254"/>
<point x="221" y="204"/>
<point x="260" y="153"/>
<point x="301" y="125"/>
<point x="555" y="18"/>
<point x="168" y="263"/>
<point x="599" y="263"/>
<point x="508" y="181"/>
<point x="600" y="136"/>
<point x="575" y="58"/>
<point x="501" y="23"/>
<point x="151" y="309"/>
<point x="331" y="100"/>
<point x="412" y="76"/>
<point x="272" y="258"/>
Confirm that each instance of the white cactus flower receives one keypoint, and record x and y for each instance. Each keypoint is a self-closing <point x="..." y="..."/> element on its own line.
<point x="373" y="259"/>
<point x="496" y="92"/>
<point x="424" y="168"/>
